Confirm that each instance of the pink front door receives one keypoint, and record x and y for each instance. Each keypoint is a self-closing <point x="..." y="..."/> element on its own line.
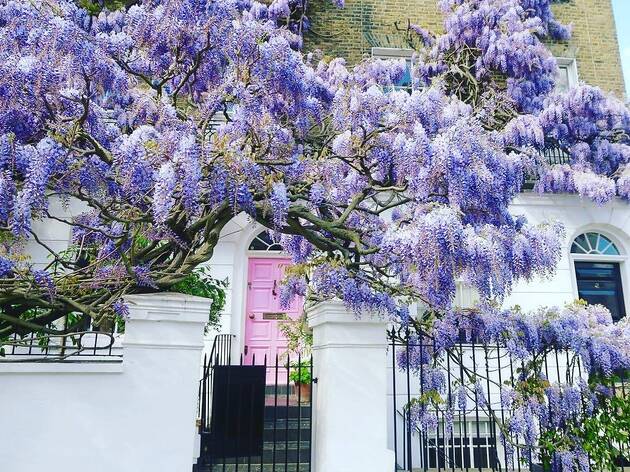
<point x="264" y="315"/>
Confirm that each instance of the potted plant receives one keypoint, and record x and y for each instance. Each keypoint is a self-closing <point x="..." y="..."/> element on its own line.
<point x="299" y="347"/>
<point x="301" y="376"/>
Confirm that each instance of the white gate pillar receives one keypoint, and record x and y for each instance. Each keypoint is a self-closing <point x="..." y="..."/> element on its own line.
<point x="350" y="401"/>
<point x="162" y="353"/>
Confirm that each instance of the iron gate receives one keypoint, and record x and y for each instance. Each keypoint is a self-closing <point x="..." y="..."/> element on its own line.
<point x="254" y="416"/>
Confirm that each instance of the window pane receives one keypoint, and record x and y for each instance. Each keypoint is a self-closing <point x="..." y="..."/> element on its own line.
<point x="609" y="249"/>
<point x="562" y="80"/>
<point x="577" y="249"/>
<point x="264" y="242"/>
<point x="580" y="243"/>
<point x="600" y="283"/>
<point x="593" y="240"/>
<point x="258" y="245"/>
<point x="471" y="444"/>
<point x="405" y="80"/>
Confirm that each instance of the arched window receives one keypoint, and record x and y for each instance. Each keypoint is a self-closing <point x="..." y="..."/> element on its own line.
<point x="264" y="242"/>
<point x="597" y="262"/>
<point x="594" y="243"/>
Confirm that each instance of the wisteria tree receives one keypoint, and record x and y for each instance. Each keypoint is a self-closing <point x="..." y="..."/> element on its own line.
<point x="164" y="120"/>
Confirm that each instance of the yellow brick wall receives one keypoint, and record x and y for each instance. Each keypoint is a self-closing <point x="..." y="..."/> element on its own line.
<point x="363" y="24"/>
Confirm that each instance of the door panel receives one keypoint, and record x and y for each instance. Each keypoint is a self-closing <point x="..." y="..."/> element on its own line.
<point x="600" y="283"/>
<point x="264" y="314"/>
<point x="260" y="332"/>
<point x="262" y="269"/>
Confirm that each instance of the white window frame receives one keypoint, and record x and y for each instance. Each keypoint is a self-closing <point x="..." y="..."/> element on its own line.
<point x="395" y="53"/>
<point x="392" y="53"/>
<point x="461" y="432"/>
<point x="219" y="117"/>
<point x="267" y="253"/>
<point x="621" y="259"/>
<point x="570" y="64"/>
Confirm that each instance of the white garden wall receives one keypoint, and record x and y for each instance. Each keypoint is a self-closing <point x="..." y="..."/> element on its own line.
<point x="131" y="416"/>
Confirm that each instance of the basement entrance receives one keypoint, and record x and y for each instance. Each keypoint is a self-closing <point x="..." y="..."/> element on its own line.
<point x="253" y="415"/>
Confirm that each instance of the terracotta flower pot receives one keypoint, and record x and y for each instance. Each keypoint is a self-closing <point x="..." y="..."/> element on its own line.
<point x="303" y="392"/>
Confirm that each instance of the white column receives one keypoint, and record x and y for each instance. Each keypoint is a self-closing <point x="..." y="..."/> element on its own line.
<point x="162" y="350"/>
<point x="350" y="401"/>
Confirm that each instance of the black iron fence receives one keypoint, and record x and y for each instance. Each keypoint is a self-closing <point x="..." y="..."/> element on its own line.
<point x="552" y="155"/>
<point x="254" y="414"/>
<point x="220" y="355"/>
<point x="92" y="344"/>
<point x="465" y="434"/>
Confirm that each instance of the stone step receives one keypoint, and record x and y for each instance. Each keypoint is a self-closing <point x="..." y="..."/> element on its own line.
<point x="272" y="453"/>
<point x="303" y="424"/>
<point x="282" y="434"/>
<point x="282" y="411"/>
<point x="292" y="467"/>
<point x="269" y="458"/>
<point x="286" y="445"/>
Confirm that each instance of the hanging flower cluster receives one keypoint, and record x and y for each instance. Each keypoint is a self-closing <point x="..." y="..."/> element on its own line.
<point x="483" y="38"/>
<point x="182" y="114"/>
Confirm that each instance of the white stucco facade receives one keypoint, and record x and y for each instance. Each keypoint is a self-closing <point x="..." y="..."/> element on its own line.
<point x="577" y="216"/>
<point x="133" y="414"/>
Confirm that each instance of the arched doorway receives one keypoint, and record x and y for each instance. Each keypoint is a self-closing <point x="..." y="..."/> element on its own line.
<point x="264" y="314"/>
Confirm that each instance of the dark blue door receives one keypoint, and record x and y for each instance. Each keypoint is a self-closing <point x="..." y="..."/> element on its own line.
<point x="600" y="283"/>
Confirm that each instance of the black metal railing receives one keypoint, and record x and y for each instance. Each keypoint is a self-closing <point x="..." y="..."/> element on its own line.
<point x="220" y="355"/>
<point x="464" y="436"/>
<point x="255" y="415"/>
<point x="93" y="344"/>
<point x="556" y="155"/>
<point x="552" y="155"/>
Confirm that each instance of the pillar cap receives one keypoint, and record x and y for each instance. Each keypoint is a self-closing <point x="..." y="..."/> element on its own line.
<point x="335" y="311"/>
<point x="168" y="306"/>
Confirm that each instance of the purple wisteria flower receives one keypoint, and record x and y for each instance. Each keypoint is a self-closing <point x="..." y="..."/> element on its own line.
<point x="6" y="267"/>
<point x="279" y="204"/>
<point x="121" y="309"/>
<point x="45" y="282"/>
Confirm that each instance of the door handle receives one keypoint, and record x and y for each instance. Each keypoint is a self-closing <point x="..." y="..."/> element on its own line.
<point x="273" y="290"/>
<point x="252" y="316"/>
<point x="246" y="349"/>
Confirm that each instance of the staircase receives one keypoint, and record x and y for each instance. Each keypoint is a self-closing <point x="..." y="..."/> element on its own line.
<point x="286" y="444"/>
